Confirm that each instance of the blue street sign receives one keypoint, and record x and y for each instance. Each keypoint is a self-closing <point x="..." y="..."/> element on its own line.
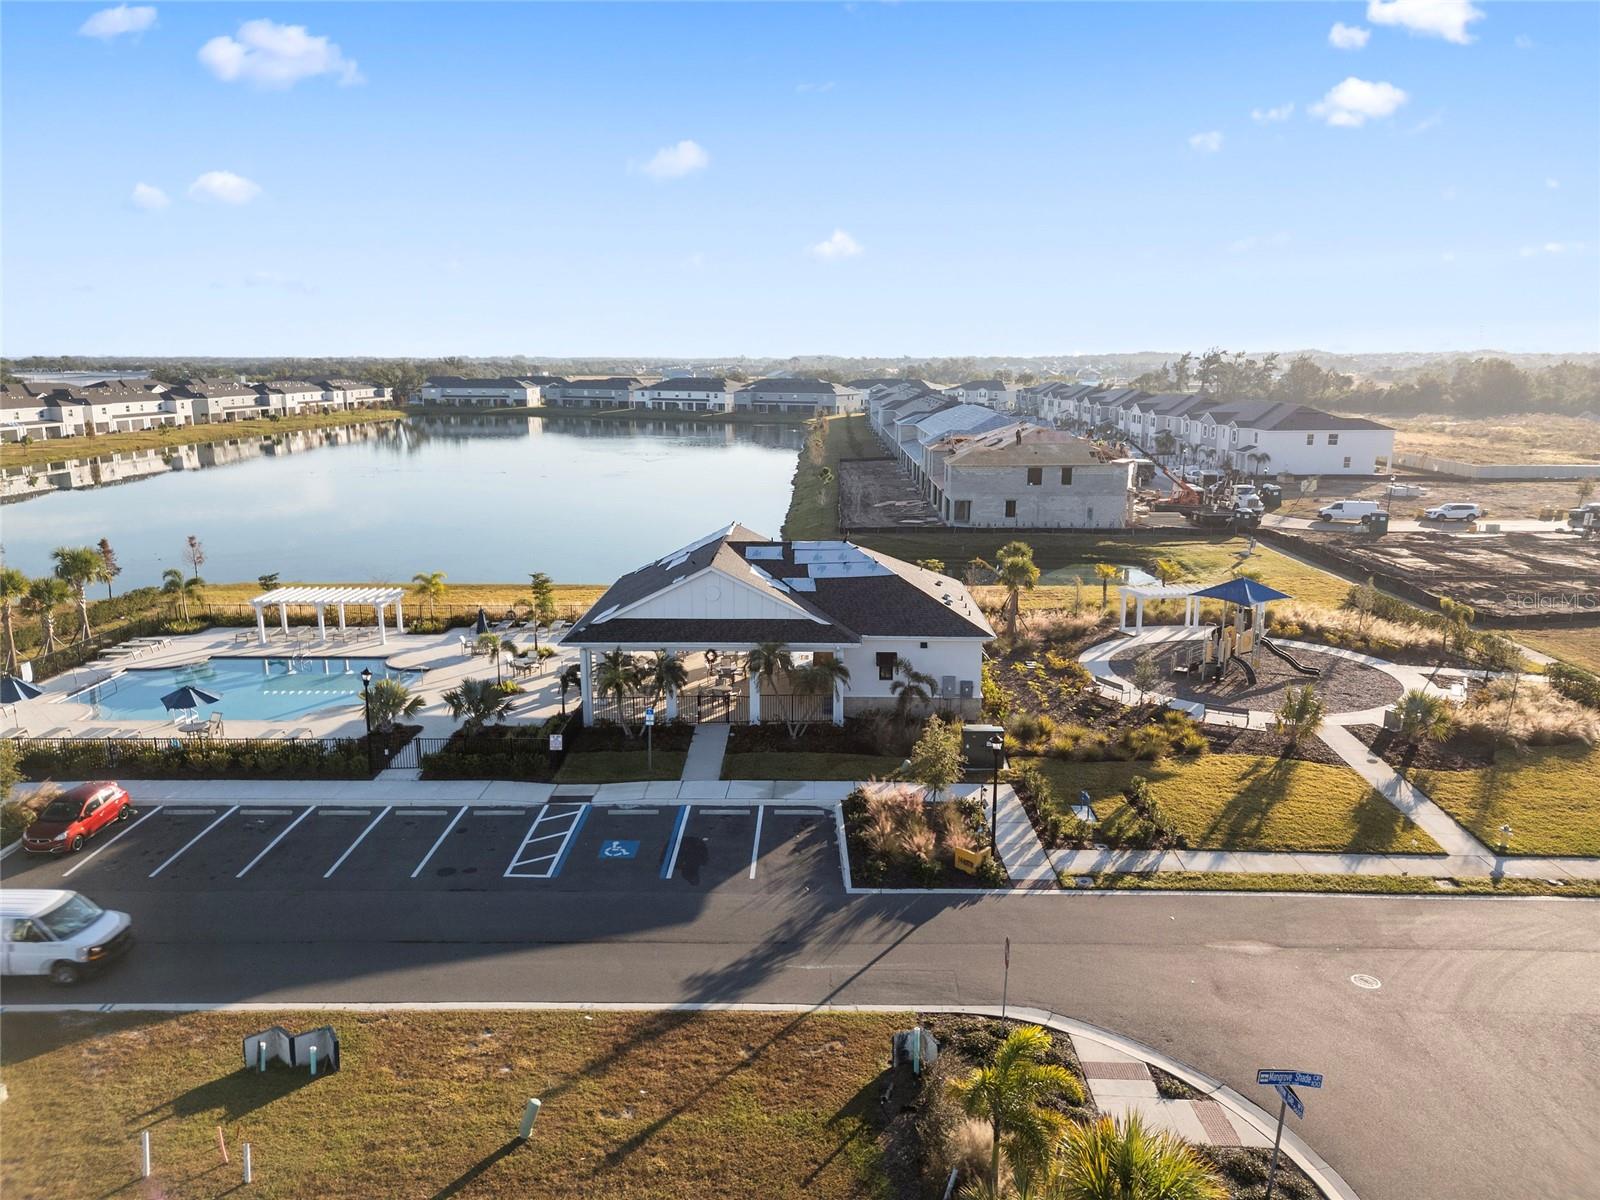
<point x="619" y="850"/>
<point x="1307" y="1079"/>
<point x="1290" y="1099"/>
<point x="1268" y="1077"/>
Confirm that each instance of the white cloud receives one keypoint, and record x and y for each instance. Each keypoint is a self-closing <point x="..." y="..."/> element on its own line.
<point x="224" y="187"/>
<point x="1447" y="19"/>
<point x="825" y="86"/>
<point x="1206" y="143"/>
<point x="270" y="55"/>
<point x="1268" y="241"/>
<point x="1268" y="116"/>
<point x="840" y="245"/>
<point x="1347" y="37"/>
<point x="1552" y="248"/>
<point x="674" y="162"/>
<point x="114" y="22"/>
<point x="1552" y="184"/>
<point x="149" y="197"/>
<point x="1523" y="42"/>
<point x="1356" y="101"/>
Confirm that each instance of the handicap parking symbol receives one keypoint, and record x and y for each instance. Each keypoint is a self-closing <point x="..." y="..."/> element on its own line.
<point x="619" y="849"/>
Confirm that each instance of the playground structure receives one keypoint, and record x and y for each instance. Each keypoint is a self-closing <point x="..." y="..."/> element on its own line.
<point x="1234" y="643"/>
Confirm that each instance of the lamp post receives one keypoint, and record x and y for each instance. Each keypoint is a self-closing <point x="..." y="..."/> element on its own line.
<point x="996" y="745"/>
<point x="366" y="707"/>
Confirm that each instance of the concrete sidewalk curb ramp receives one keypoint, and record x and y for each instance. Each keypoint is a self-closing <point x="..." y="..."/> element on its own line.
<point x="1308" y="1160"/>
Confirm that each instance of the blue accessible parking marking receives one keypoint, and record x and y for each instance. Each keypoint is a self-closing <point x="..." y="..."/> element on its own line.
<point x="617" y="849"/>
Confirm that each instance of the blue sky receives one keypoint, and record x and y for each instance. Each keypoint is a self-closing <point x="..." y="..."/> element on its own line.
<point x="857" y="179"/>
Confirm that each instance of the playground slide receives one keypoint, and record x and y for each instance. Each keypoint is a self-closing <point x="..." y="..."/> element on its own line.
<point x="1290" y="659"/>
<point x="1245" y="668"/>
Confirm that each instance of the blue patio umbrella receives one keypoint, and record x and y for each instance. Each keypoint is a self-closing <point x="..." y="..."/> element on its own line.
<point x="187" y="697"/>
<point x="14" y="690"/>
<point x="483" y="622"/>
<point x="1242" y="591"/>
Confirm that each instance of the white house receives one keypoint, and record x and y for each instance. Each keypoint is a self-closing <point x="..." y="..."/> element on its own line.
<point x="350" y="393"/>
<point x="217" y="401"/>
<point x="685" y="393"/>
<point x="797" y="397"/>
<point x="38" y="413"/>
<point x="452" y="390"/>
<point x="993" y="393"/>
<point x="591" y="393"/>
<point x="1023" y="476"/>
<point x="735" y="589"/>
<point x="284" y="397"/>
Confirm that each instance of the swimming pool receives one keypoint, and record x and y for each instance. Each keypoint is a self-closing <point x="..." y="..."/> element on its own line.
<point x="250" y="689"/>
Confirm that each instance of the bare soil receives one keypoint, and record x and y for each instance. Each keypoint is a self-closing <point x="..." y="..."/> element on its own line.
<point x="874" y="494"/>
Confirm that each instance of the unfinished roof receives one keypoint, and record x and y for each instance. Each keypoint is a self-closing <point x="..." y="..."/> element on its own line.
<point x="1022" y="445"/>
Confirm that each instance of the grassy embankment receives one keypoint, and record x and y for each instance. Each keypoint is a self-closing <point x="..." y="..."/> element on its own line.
<point x="647" y="1105"/>
<point x="1579" y="646"/>
<point x="1383" y="885"/>
<point x="38" y="454"/>
<point x="814" y="501"/>
<point x="1550" y="796"/>
<point x="1248" y="802"/>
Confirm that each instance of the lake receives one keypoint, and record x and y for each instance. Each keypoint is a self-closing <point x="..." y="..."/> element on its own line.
<point x="482" y="498"/>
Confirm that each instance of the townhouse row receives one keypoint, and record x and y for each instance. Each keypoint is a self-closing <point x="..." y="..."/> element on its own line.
<point x="37" y="412"/>
<point x="982" y="468"/>
<point x="1246" y="436"/>
<point x="686" y="394"/>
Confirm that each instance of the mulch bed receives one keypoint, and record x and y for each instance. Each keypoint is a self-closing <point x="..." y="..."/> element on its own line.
<point x="1230" y="739"/>
<point x="1459" y="752"/>
<point x="1344" y="685"/>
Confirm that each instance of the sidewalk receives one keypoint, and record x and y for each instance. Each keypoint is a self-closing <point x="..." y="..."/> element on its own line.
<point x="704" y="761"/>
<point x="1438" y="824"/>
<point x="1025" y="858"/>
<point x="1256" y="862"/>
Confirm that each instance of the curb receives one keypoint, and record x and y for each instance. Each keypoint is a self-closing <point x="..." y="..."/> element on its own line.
<point x="1317" y="1169"/>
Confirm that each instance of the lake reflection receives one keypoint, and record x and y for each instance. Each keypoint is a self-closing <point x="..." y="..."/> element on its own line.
<point x="480" y="497"/>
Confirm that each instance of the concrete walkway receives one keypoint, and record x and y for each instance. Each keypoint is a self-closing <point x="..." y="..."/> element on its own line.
<point x="1438" y="824"/>
<point x="704" y="760"/>
<point x="1025" y="858"/>
<point x="1260" y="862"/>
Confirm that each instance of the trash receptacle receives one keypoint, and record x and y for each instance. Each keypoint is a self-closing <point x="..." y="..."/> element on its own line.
<point x="1378" y="523"/>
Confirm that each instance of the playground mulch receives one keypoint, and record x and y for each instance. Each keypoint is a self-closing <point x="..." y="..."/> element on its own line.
<point x="1344" y="686"/>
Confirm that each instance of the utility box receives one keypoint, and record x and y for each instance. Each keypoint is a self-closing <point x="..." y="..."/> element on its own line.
<point x="915" y="1048"/>
<point x="1377" y="523"/>
<point x="975" y="746"/>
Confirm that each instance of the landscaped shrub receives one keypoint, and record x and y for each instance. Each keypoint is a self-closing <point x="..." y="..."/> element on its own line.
<point x="15" y="817"/>
<point x="1574" y="684"/>
<point x="1056" y="828"/>
<point x="890" y="834"/>
<point x="1530" y="715"/>
<point x="1367" y="632"/>
<point x="201" y="758"/>
<point x="1154" y="829"/>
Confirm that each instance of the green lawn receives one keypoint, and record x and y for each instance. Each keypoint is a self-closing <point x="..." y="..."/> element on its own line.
<point x="1385" y="885"/>
<point x="620" y="766"/>
<point x="657" y="1106"/>
<point x="1248" y="802"/>
<point x="814" y="502"/>
<point x="1550" y="797"/>
<point x="780" y="764"/>
<point x="1580" y="647"/>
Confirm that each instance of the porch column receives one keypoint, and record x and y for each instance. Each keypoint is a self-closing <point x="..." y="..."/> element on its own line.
<point x="838" y="704"/>
<point x="1138" y="614"/>
<point x="1122" y="612"/>
<point x="322" y="624"/>
<point x="672" y="704"/>
<point x="283" y="617"/>
<point x="586" y="685"/>
<point x="755" y="697"/>
<point x="399" y="615"/>
<point x="261" y="624"/>
<point x="383" y="634"/>
<point x="341" y="616"/>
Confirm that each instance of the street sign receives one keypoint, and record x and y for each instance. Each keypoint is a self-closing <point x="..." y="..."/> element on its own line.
<point x="649" y="716"/>
<point x="1270" y="1077"/>
<point x="1290" y="1099"/>
<point x="619" y="849"/>
<point x="557" y="740"/>
<point x="1307" y="1079"/>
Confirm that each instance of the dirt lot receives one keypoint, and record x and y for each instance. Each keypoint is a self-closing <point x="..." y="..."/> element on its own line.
<point x="1509" y="499"/>
<point x="873" y="494"/>
<point x="1518" y="438"/>
<point x="1532" y="577"/>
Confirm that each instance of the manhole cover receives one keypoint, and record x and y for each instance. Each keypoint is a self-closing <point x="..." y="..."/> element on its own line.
<point x="1371" y="982"/>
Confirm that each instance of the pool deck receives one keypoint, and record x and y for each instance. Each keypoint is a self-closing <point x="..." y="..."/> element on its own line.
<point x="53" y="714"/>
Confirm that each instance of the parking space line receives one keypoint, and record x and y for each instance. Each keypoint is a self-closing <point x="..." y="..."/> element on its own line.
<point x="677" y="841"/>
<point x="275" y="841"/>
<point x="755" y="842"/>
<point x="361" y="838"/>
<point x="84" y="861"/>
<point x="460" y="812"/>
<point x="561" y="859"/>
<point x="193" y="840"/>
<point x="574" y="817"/>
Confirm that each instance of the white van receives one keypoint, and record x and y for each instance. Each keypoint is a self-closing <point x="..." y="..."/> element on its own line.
<point x="1348" y="510"/>
<point x="61" y="934"/>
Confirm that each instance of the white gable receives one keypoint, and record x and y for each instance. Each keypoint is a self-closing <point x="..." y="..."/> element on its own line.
<point x="713" y="595"/>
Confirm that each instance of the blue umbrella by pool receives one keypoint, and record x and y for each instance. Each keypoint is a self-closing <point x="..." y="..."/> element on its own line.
<point x="15" y="691"/>
<point x="483" y="622"/>
<point x="187" y="697"/>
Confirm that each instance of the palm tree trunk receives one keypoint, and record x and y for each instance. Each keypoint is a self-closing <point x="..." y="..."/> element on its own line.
<point x="83" y="615"/>
<point x="11" y="641"/>
<point x="994" y="1159"/>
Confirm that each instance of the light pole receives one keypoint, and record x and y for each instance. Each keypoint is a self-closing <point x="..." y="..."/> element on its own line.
<point x="996" y="745"/>
<point x="366" y="708"/>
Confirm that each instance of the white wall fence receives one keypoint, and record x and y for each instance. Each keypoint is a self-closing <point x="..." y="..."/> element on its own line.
<point x="1492" y="471"/>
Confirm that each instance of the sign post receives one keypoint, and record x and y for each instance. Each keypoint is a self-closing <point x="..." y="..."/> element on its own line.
<point x="1005" y="981"/>
<point x="1284" y="1083"/>
<point x="649" y="731"/>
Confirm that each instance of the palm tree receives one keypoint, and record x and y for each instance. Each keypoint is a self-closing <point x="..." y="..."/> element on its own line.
<point x="108" y="564"/>
<point x="388" y="701"/>
<point x="618" y="676"/>
<point x="478" y="701"/>
<point x="1167" y="570"/>
<point x="489" y="643"/>
<point x="13" y="587"/>
<point x="667" y="674"/>
<point x="1300" y="715"/>
<point x="78" y="567"/>
<point x="765" y="661"/>
<point x="824" y="677"/>
<point x="1011" y="1092"/>
<point x="570" y="678"/>
<point x="1105" y="573"/>
<point x="1018" y="573"/>
<point x="910" y="687"/>
<point x="44" y="596"/>
<point x="1105" y="1160"/>
<point x="172" y="585"/>
<point x="428" y="586"/>
<point x="1423" y="716"/>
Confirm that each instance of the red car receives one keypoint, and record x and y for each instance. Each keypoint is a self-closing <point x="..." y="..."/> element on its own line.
<point x="75" y="816"/>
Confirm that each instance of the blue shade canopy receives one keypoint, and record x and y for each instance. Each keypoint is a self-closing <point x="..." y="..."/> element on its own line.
<point x="187" y="697"/>
<point x="483" y="622"/>
<point x="14" y="690"/>
<point x="1243" y="591"/>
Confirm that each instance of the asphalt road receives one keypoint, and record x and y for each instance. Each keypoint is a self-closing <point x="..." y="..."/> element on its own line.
<point x="1471" y="1072"/>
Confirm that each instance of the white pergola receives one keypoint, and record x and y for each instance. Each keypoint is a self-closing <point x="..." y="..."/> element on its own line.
<point x="378" y="598"/>
<point x="1164" y="591"/>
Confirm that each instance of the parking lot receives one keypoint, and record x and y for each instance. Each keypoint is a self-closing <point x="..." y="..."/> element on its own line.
<point x="566" y="845"/>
